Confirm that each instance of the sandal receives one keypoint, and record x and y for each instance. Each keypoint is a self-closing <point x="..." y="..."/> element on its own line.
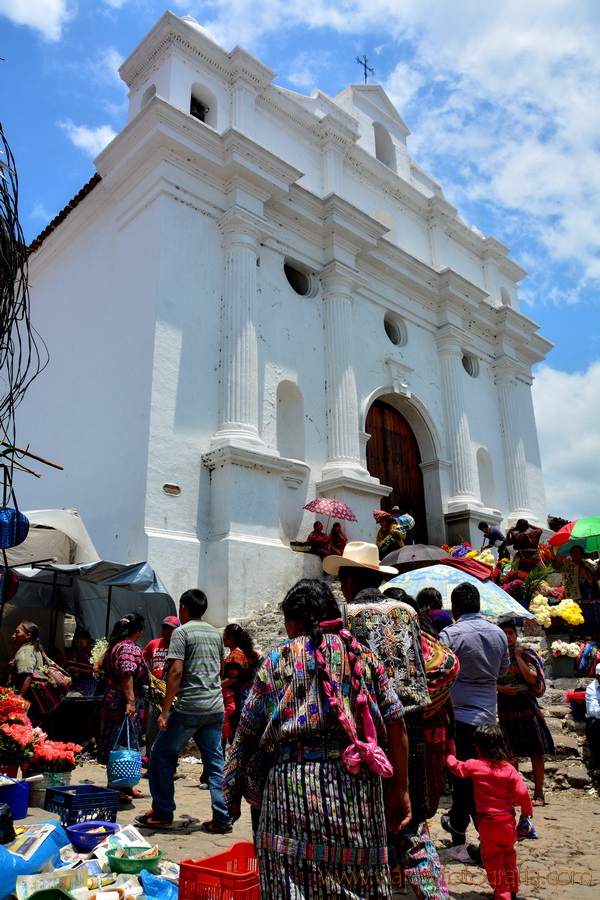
<point x="538" y="800"/>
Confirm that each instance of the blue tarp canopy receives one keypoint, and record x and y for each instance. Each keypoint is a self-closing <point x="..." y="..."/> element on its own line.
<point x="97" y="594"/>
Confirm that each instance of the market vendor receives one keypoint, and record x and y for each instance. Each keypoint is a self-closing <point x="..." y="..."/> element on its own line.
<point x="28" y="658"/>
<point x="319" y="541"/>
<point x="79" y="665"/>
<point x="524" y="538"/>
<point x="592" y="717"/>
<point x="580" y="581"/>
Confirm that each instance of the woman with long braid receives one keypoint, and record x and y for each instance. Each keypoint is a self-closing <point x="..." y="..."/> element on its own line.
<point x="318" y="707"/>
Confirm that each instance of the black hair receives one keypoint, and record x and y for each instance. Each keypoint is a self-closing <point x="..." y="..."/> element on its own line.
<point x="489" y="741"/>
<point x="339" y="524"/>
<point x="507" y="623"/>
<point x="363" y="578"/>
<point x="33" y="632"/>
<point x="81" y="633"/>
<point x="125" y="627"/>
<point x="429" y="598"/>
<point x="465" y="598"/>
<point x="483" y="525"/>
<point x="522" y="525"/>
<point x="195" y="601"/>
<point x="241" y="638"/>
<point x="311" y="603"/>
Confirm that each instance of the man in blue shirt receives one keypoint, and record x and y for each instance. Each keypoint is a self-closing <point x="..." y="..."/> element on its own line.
<point x="482" y="650"/>
<point x="495" y="538"/>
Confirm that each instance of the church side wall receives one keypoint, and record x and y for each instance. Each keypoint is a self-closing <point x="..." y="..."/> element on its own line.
<point x="93" y="302"/>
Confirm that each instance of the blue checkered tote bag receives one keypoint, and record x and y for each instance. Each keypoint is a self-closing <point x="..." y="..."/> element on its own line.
<point x="124" y="767"/>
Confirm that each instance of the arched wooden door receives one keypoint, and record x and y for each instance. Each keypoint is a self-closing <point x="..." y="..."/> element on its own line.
<point x="393" y="456"/>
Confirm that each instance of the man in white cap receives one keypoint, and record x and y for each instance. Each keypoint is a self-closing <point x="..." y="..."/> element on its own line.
<point x="391" y="630"/>
<point x="592" y="717"/>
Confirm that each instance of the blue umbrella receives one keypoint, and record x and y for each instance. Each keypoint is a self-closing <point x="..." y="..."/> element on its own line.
<point x="494" y="601"/>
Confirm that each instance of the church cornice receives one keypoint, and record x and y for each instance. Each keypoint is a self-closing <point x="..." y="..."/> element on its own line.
<point x="170" y="32"/>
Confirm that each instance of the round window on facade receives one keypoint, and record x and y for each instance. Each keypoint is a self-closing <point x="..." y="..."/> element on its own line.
<point x="470" y="365"/>
<point x="395" y="329"/>
<point x="301" y="282"/>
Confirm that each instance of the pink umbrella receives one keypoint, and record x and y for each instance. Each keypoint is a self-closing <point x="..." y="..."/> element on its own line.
<point x="335" y="509"/>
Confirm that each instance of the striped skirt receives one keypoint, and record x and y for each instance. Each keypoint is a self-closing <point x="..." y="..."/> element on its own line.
<point x="322" y="834"/>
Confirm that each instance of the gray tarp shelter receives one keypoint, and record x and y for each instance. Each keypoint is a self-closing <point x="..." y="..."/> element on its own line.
<point x="97" y="594"/>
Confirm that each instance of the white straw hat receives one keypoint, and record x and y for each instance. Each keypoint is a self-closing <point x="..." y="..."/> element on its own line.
<point x="357" y="554"/>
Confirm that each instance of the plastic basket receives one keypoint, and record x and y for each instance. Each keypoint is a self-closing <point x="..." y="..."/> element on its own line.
<point x="132" y="866"/>
<point x="82" y="836"/>
<point x="231" y="875"/>
<point x="82" y="802"/>
<point x="300" y="546"/>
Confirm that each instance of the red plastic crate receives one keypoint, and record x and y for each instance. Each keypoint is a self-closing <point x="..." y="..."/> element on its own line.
<point x="231" y="875"/>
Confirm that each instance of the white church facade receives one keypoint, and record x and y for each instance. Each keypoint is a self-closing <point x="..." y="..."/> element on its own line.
<point x="258" y="300"/>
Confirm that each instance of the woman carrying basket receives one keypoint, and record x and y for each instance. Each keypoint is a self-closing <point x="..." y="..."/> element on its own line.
<point x="128" y="678"/>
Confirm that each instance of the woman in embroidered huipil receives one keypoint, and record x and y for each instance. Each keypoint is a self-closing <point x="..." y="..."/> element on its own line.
<point x="318" y="706"/>
<point x="127" y="677"/>
<point x="519" y="714"/>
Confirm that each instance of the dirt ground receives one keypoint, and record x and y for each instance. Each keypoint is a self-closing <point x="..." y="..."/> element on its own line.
<point x="563" y="864"/>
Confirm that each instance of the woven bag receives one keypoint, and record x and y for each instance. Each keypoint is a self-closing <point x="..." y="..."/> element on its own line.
<point x="124" y="768"/>
<point x="49" y="684"/>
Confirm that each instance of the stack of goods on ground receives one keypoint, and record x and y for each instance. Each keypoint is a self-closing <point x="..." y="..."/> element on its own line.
<point x="99" y="860"/>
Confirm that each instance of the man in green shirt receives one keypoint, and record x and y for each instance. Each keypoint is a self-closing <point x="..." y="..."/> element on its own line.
<point x="194" y="660"/>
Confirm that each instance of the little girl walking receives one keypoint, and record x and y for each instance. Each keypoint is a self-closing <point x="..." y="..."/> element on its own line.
<point x="498" y="787"/>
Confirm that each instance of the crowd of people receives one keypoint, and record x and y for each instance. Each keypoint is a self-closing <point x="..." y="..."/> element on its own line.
<point x="339" y="737"/>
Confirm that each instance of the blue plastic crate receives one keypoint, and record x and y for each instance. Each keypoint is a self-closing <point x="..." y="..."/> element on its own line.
<point x="81" y="803"/>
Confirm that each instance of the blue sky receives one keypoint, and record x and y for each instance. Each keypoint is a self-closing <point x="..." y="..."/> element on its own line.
<point x="502" y="101"/>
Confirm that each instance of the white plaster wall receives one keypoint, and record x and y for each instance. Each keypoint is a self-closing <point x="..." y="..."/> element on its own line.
<point x="93" y="302"/>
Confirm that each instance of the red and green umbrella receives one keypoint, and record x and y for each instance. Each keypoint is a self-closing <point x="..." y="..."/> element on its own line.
<point x="582" y="532"/>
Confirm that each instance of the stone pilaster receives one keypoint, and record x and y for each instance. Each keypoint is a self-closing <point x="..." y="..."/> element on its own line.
<point x="239" y="372"/>
<point x="464" y="481"/>
<point x="512" y="441"/>
<point x="343" y="444"/>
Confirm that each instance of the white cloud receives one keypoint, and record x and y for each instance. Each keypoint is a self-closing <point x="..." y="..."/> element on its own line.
<point x="566" y="407"/>
<point x="39" y="211"/>
<point x="45" y="16"/>
<point x="105" y="67"/>
<point x="91" y="140"/>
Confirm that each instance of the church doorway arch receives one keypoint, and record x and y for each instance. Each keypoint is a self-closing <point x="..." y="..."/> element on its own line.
<point x="394" y="457"/>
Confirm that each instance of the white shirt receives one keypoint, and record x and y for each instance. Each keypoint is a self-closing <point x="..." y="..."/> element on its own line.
<point x="592" y="700"/>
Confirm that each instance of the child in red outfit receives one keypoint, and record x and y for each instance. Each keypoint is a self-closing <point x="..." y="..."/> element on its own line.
<point x="498" y="787"/>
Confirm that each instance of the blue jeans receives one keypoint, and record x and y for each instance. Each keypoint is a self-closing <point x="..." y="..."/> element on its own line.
<point x="206" y="730"/>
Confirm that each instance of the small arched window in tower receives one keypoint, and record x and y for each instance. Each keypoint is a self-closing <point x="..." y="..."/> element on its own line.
<point x="147" y="96"/>
<point x="384" y="147"/>
<point x="302" y="282"/>
<point x="203" y="105"/>
<point x="485" y="471"/>
<point x="290" y="420"/>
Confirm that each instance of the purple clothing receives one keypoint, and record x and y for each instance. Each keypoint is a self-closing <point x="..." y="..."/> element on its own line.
<point x="495" y="537"/>
<point x="482" y="650"/>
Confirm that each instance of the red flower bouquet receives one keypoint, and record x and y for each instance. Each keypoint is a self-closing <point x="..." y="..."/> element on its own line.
<point x="54" y="756"/>
<point x="17" y="736"/>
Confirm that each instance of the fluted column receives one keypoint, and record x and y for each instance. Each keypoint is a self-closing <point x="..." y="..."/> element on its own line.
<point x="239" y="370"/>
<point x="343" y="447"/>
<point x="512" y="441"/>
<point x="464" y="481"/>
